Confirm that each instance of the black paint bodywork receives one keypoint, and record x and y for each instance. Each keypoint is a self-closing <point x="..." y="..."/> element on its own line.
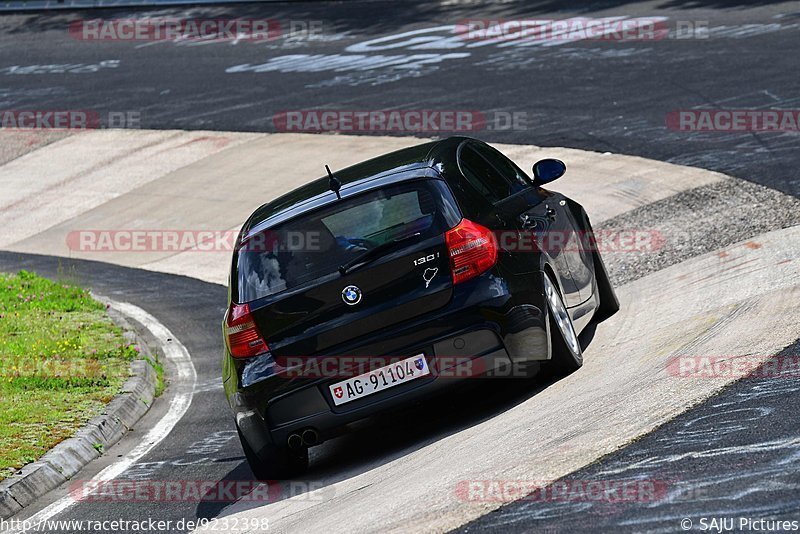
<point x="499" y="318"/>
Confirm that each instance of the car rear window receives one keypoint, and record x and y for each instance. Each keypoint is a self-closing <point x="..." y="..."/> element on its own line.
<point x="315" y="244"/>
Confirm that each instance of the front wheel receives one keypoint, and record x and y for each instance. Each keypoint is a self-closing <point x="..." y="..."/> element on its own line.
<point x="566" y="354"/>
<point x="274" y="462"/>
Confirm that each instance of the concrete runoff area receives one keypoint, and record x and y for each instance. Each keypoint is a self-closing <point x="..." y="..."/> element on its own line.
<point x="214" y="180"/>
<point x="694" y="308"/>
<point x="627" y="387"/>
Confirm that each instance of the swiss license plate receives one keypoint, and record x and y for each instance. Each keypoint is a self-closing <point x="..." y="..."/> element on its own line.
<point x="379" y="379"/>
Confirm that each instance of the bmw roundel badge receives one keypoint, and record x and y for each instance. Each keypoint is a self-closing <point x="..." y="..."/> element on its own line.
<point x="351" y="295"/>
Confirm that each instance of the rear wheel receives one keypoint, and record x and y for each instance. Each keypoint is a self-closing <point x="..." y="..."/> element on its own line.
<point x="566" y="353"/>
<point x="274" y="462"/>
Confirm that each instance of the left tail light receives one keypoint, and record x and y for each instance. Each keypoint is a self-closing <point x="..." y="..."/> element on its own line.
<point x="244" y="339"/>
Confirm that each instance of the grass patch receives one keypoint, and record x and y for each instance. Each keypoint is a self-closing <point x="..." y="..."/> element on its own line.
<point x="160" y="384"/>
<point x="61" y="360"/>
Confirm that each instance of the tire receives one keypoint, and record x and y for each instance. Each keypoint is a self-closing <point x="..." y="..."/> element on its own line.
<point x="273" y="462"/>
<point x="566" y="355"/>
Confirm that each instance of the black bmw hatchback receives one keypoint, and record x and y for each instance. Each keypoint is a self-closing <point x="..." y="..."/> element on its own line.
<point x="394" y="278"/>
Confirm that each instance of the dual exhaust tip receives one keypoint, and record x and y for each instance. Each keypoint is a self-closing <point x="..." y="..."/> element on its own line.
<point x="307" y="438"/>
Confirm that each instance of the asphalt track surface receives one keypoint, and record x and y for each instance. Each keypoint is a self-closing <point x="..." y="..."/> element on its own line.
<point x="597" y="96"/>
<point x="733" y="456"/>
<point x="189" y="308"/>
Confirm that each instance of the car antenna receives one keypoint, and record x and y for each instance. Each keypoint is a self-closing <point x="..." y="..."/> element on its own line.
<point x="333" y="183"/>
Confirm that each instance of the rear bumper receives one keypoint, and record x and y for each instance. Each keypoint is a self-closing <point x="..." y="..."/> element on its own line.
<point x="489" y="332"/>
<point x="310" y="407"/>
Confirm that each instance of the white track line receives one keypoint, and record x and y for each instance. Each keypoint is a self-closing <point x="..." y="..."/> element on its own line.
<point x="175" y="352"/>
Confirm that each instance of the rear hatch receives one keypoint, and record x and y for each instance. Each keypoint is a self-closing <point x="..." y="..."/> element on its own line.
<point x="349" y="269"/>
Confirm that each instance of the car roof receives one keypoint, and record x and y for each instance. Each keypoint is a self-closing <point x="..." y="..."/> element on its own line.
<point x="423" y="160"/>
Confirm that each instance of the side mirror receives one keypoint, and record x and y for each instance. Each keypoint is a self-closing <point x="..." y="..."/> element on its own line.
<point x="547" y="170"/>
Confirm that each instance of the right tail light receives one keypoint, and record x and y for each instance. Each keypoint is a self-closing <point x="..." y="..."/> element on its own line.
<point x="472" y="250"/>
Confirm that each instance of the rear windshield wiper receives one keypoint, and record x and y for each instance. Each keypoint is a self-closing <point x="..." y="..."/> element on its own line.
<point x="373" y="253"/>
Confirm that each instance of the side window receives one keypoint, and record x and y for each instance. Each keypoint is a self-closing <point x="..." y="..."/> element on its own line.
<point x="483" y="177"/>
<point x="519" y="180"/>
